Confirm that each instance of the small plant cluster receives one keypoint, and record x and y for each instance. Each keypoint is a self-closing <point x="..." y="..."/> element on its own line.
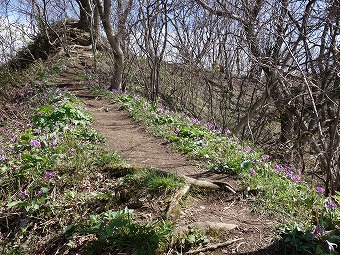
<point x="304" y="208"/>
<point x="153" y="181"/>
<point x="280" y="189"/>
<point x="191" y="238"/>
<point x="117" y="231"/>
<point x="34" y="151"/>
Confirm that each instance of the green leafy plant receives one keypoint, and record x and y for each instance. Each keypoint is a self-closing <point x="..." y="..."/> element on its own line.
<point x="117" y="231"/>
<point x="299" y="240"/>
<point x="57" y="117"/>
<point x="34" y="205"/>
<point x="192" y="237"/>
<point x="316" y="243"/>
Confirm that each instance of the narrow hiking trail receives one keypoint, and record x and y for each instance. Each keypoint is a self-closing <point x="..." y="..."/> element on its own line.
<point x="138" y="147"/>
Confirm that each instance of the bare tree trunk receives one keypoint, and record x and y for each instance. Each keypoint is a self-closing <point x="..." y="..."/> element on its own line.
<point x="84" y="22"/>
<point x="115" y="39"/>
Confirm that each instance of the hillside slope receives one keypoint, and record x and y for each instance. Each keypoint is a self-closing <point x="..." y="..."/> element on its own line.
<point x="140" y="148"/>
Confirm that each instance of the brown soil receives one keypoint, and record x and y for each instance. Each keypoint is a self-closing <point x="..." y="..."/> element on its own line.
<point x="140" y="148"/>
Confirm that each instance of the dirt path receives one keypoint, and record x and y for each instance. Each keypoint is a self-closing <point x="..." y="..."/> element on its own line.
<point x="133" y="142"/>
<point x="140" y="148"/>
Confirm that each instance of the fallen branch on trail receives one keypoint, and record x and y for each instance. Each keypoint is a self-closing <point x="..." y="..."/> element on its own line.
<point x="214" y="246"/>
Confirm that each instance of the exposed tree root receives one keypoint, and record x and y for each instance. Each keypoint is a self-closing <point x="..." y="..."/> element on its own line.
<point x="214" y="246"/>
<point x="119" y="171"/>
<point x="175" y="200"/>
<point x="205" y="225"/>
<point x="225" y="186"/>
<point x="201" y="184"/>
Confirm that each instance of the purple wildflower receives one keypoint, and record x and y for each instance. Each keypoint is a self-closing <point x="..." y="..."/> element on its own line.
<point x="48" y="175"/>
<point x="319" y="190"/>
<point x="248" y="149"/>
<point x="177" y="131"/>
<point x="2" y="156"/>
<point x="38" y="131"/>
<point x="287" y="168"/>
<point x="252" y="172"/>
<point x="196" y="121"/>
<point x="209" y="126"/>
<point x="228" y="132"/>
<point x="239" y="148"/>
<point x="14" y="138"/>
<point x="264" y="158"/>
<point x="218" y="131"/>
<point x="289" y="174"/>
<point x="296" y="178"/>
<point x="277" y="167"/>
<point x="35" y="142"/>
<point x="39" y="194"/>
<point x="198" y="138"/>
<point x="331" y="245"/>
<point x="53" y="143"/>
<point x="317" y="230"/>
<point x="330" y="203"/>
<point x="24" y="193"/>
